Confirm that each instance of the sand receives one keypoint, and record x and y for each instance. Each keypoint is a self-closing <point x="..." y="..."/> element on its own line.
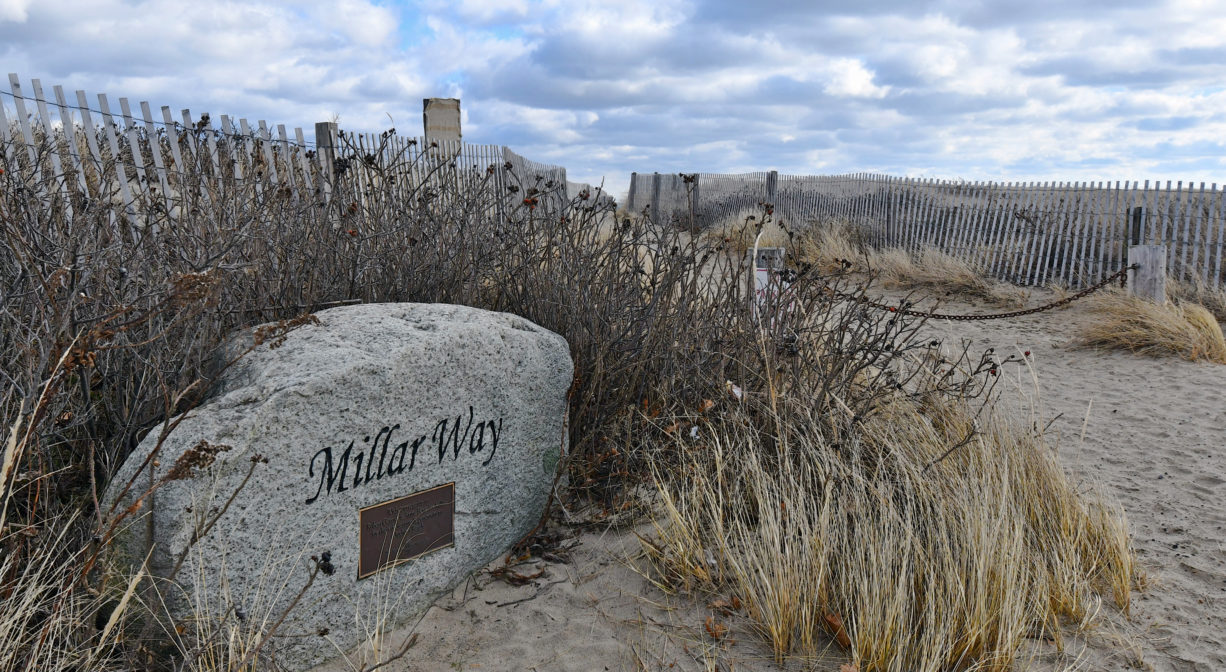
<point x="1154" y="440"/>
<point x="1149" y="433"/>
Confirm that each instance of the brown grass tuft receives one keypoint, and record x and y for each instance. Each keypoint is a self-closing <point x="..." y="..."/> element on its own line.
<point x="738" y="232"/>
<point x="832" y="245"/>
<point x="1125" y="322"/>
<point x="1198" y="292"/>
<point x="925" y="565"/>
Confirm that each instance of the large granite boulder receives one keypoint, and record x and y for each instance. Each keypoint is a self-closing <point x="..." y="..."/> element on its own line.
<point x="451" y="418"/>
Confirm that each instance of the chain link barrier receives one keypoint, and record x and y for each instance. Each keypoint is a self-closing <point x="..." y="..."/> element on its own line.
<point x="1118" y="275"/>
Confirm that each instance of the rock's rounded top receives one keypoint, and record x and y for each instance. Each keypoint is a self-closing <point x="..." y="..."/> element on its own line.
<point x="367" y="335"/>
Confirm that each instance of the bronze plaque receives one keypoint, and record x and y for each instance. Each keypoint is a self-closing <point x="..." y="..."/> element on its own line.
<point x="402" y="529"/>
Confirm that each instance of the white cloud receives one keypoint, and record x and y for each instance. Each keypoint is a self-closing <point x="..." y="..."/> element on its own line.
<point x="711" y="85"/>
<point x="14" y="10"/>
<point x="358" y="20"/>
<point x="849" y="77"/>
<point x="635" y="20"/>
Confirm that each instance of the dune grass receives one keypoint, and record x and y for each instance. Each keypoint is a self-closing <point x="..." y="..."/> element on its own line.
<point x="737" y="233"/>
<point x="1197" y="291"/>
<point x="917" y="557"/>
<point x="1125" y="322"/>
<point x="835" y="244"/>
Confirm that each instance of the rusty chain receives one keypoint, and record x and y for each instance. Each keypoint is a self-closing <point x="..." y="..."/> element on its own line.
<point x="1118" y="275"/>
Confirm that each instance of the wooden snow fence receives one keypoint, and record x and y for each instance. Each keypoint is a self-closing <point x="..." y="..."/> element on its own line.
<point x="146" y="167"/>
<point x="1028" y="233"/>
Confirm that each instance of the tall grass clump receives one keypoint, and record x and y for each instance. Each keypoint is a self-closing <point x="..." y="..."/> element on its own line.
<point x="1197" y="291"/>
<point x="836" y="244"/>
<point x="1175" y="328"/>
<point x="895" y="511"/>
<point x="738" y="232"/>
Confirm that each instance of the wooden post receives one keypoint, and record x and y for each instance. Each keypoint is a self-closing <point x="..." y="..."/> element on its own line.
<point x="57" y="167"/>
<point x="1148" y="281"/>
<point x="326" y="140"/>
<point x="23" y="120"/>
<point x="630" y="196"/>
<point x="441" y="119"/>
<point x="655" y="197"/>
<point x="1219" y="223"/>
<point x="121" y="173"/>
<point x="1197" y="211"/>
<point x="772" y="180"/>
<point x="303" y="164"/>
<point x="695" y="200"/>
<point x="159" y="163"/>
<point x="1133" y="237"/>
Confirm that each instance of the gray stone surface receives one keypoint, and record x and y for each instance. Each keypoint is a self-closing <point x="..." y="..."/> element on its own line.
<point x="389" y="383"/>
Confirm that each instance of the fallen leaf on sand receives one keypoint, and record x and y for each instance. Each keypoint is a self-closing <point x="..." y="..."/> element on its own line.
<point x="835" y="625"/>
<point x="515" y="578"/>
<point x="726" y="607"/>
<point x="715" y="629"/>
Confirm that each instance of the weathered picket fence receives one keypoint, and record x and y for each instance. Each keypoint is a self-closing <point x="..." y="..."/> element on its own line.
<point x="1029" y="233"/>
<point x="147" y="168"/>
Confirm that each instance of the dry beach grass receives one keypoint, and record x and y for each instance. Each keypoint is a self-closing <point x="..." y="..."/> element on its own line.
<point x="1183" y="329"/>
<point x="842" y="473"/>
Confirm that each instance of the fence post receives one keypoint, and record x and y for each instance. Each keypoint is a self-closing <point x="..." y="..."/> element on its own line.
<point x="1132" y="231"/>
<point x="630" y="197"/>
<point x="1134" y="234"/>
<point x="694" y="206"/>
<point x="1149" y="280"/>
<point x="440" y="119"/>
<point x="772" y="179"/>
<point x="655" y="197"/>
<point x="326" y="140"/>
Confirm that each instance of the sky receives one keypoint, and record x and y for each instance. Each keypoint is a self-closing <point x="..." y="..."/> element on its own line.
<point x="957" y="89"/>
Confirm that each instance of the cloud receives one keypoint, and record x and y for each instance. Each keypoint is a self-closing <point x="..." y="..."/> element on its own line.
<point x="288" y="62"/>
<point x="1046" y="89"/>
<point x="849" y="77"/>
<point x="14" y="10"/>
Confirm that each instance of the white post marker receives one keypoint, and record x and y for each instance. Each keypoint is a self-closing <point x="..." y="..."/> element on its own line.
<point x="767" y="283"/>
